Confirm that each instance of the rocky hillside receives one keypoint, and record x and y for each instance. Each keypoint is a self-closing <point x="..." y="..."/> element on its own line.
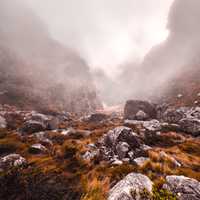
<point x="172" y="67"/>
<point x="150" y="153"/>
<point x="36" y="71"/>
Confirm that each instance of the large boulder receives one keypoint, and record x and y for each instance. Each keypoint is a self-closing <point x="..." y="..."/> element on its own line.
<point x="3" y="123"/>
<point x="121" y="144"/>
<point x="141" y="110"/>
<point x="12" y="160"/>
<point x="121" y="134"/>
<point x="51" y="122"/>
<point x="33" y="126"/>
<point x="185" y="188"/>
<point x="131" y="187"/>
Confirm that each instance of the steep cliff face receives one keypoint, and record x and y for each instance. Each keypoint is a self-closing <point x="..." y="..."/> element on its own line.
<point x="36" y="71"/>
<point x="171" y="64"/>
<point x="185" y="47"/>
<point x="180" y="52"/>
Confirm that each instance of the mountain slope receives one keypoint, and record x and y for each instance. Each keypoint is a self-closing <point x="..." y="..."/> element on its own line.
<point x="50" y="74"/>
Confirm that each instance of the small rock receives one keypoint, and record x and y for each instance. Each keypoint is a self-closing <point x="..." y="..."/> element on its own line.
<point x="12" y="160"/>
<point x="37" y="149"/>
<point x="41" y="136"/>
<point x="141" y="161"/>
<point x="91" y="146"/>
<point x="89" y="155"/>
<point x="68" y="132"/>
<point x="179" y="96"/>
<point x="122" y="148"/>
<point x="95" y="118"/>
<point x="145" y="147"/>
<point x="141" y="115"/>
<point x="132" y="184"/>
<point x="116" y="162"/>
<point x="3" y="123"/>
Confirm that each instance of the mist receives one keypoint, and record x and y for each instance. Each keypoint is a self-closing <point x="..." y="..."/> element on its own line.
<point x="35" y="69"/>
<point x="106" y="33"/>
<point x="114" y="50"/>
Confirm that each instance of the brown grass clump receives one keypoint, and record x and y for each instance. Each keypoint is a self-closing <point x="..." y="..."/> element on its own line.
<point x="10" y="144"/>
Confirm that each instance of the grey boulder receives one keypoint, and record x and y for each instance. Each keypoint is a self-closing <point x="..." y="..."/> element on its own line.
<point x="185" y="188"/>
<point x="133" y="183"/>
<point x="134" y="107"/>
<point x="190" y="125"/>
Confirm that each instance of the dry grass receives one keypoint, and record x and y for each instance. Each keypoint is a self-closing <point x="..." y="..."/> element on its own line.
<point x="92" y="180"/>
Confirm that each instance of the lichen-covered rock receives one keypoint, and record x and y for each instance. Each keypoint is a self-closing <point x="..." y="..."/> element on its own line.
<point x="119" y="142"/>
<point x="195" y="112"/>
<point x="121" y="134"/>
<point x="131" y="187"/>
<point x="173" y="115"/>
<point x="12" y="160"/>
<point x="185" y="188"/>
<point x="3" y="123"/>
<point x="132" y="108"/>
<point x="122" y="149"/>
<point x="152" y="126"/>
<point x="190" y="125"/>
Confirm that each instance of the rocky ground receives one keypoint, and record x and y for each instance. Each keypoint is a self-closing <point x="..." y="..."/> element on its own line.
<point x="148" y="152"/>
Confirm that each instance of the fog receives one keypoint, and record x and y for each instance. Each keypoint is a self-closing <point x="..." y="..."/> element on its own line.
<point x="129" y="48"/>
<point x="106" y="33"/>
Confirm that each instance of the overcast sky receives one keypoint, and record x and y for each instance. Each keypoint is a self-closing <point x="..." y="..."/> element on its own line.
<point x="107" y="33"/>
